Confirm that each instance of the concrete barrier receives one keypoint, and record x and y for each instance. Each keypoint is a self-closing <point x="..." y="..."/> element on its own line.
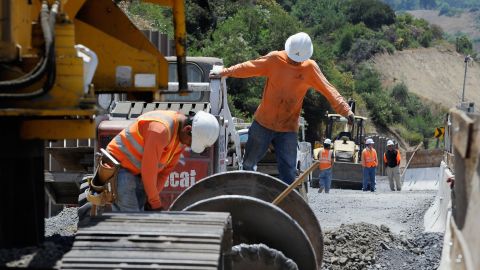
<point x="436" y="216"/>
<point x="421" y="178"/>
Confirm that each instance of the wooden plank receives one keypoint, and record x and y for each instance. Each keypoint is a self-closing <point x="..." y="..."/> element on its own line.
<point x="462" y="127"/>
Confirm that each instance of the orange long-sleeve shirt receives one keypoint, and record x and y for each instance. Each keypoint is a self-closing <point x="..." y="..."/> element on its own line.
<point x="285" y="89"/>
<point x="156" y="140"/>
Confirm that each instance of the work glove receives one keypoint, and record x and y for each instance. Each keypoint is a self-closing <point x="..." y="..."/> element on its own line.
<point x="351" y="118"/>
<point x="215" y="72"/>
<point x="149" y="208"/>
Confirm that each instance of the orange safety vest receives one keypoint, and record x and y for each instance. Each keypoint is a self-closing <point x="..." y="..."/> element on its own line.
<point x="369" y="158"/>
<point x="127" y="146"/>
<point x="325" y="159"/>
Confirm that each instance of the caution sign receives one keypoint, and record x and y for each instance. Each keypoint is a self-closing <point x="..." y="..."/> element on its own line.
<point x="439" y="131"/>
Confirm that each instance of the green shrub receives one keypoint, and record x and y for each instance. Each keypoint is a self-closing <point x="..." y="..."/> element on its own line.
<point x="367" y="80"/>
<point x="426" y="38"/>
<point x="400" y="93"/>
<point x="463" y="45"/>
<point x="373" y="13"/>
<point x="412" y="137"/>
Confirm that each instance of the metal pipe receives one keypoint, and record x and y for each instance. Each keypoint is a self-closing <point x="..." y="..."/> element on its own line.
<point x="5" y="34"/>
<point x="467" y="58"/>
<point x="180" y="43"/>
<point x="48" y="66"/>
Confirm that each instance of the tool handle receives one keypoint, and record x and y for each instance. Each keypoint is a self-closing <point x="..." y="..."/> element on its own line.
<point x="295" y="183"/>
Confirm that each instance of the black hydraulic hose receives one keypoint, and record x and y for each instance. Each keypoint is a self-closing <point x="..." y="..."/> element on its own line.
<point x="38" y="71"/>
<point x="49" y="66"/>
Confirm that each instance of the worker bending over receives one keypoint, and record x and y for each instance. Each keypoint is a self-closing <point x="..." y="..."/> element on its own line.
<point x="150" y="148"/>
<point x="290" y="73"/>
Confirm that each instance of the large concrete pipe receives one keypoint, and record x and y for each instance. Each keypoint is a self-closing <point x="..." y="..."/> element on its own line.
<point x="255" y="221"/>
<point x="260" y="186"/>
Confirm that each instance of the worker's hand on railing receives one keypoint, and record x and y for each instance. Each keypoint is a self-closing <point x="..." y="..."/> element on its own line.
<point x="213" y="75"/>
<point x="216" y="71"/>
<point x="351" y="118"/>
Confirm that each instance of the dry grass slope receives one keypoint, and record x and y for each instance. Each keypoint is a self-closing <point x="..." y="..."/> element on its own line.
<point x="435" y="74"/>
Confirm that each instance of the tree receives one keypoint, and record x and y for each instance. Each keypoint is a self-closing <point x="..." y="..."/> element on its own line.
<point x="463" y="45"/>
<point x="373" y="13"/>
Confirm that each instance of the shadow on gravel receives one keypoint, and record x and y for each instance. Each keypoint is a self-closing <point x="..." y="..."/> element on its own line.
<point x="44" y="256"/>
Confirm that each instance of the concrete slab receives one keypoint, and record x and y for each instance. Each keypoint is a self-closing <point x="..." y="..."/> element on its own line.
<point x="421" y="179"/>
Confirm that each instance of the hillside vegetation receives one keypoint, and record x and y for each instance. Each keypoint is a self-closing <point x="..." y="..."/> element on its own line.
<point x="346" y="34"/>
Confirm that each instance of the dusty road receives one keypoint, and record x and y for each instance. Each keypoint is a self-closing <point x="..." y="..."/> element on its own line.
<point x="376" y="230"/>
<point x="400" y="211"/>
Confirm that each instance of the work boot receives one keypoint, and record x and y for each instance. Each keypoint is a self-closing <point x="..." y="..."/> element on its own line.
<point x="320" y="189"/>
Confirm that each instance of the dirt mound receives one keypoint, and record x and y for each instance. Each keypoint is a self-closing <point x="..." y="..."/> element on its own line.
<point x="435" y="74"/>
<point x="367" y="246"/>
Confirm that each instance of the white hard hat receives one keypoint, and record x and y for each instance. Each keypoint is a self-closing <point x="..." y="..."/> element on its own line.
<point x="299" y="47"/>
<point x="389" y="142"/>
<point x="327" y="141"/>
<point x="369" y="141"/>
<point x="205" y="130"/>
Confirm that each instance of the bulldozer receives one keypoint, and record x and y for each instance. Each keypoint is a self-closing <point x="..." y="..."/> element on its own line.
<point x="347" y="148"/>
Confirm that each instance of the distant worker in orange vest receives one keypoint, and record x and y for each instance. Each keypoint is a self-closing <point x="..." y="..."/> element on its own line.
<point x="149" y="149"/>
<point x="369" y="163"/>
<point x="325" y="157"/>
<point x="289" y="74"/>
<point x="391" y="159"/>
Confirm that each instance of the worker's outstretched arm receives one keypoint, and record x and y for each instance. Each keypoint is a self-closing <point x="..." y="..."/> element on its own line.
<point x="252" y="68"/>
<point x="324" y="87"/>
<point x="156" y="138"/>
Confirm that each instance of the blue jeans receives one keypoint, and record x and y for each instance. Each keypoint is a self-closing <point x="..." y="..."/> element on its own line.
<point x="131" y="195"/>
<point x="326" y="179"/>
<point x="368" y="178"/>
<point x="285" y="144"/>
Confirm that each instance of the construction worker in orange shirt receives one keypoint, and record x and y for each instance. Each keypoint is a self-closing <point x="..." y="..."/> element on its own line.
<point x="290" y="73"/>
<point x="150" y="148"/>
<point x="325" y="157"/>
<point x="391" y="159"/>
<point x="369" y="163"/>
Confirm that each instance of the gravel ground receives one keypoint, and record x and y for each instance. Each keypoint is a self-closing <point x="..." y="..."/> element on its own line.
<point x="376" y="230"/>
<point x="59" y="236"/>
<point x="362" y="230"/>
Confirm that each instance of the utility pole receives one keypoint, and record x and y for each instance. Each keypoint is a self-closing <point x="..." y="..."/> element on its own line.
<point x="467" y="58"/>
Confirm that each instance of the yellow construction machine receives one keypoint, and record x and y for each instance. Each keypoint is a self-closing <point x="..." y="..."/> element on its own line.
<point x="55" y="56"/>
<point x="347" y="148"/>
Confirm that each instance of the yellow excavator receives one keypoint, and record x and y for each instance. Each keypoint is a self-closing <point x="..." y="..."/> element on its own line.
<point x="347" y="148"/>
<point x="55" y="57"/>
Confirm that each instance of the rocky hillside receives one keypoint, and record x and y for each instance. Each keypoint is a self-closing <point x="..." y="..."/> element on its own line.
<point x="435" y="74"/>
<point x="465" y="23"/>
